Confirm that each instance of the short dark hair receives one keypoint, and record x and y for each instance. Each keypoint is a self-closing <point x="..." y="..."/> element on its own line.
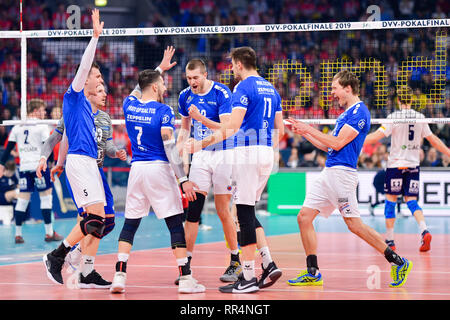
<point x="246" y="56"/>
<point x="34" y="104"/>
<point x="148" y="77"/>
<point x="196" y="63"/>
<point x="347" y="78"/>
<point x="10" y="165"/>
<point x="405" y="95"/>
<point x="94" y="65"/>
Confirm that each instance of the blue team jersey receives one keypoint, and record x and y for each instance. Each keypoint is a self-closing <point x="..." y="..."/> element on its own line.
<point x="144" y="122"/>
<point x="358" y="117"/>
<point x="79" y="122"/>
<point x="261" y="101"/>
<point x="213" y="104"/>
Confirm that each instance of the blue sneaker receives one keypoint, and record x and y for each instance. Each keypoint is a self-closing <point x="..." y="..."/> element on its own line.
<point x="400" y="273"/>
<point x="304" y="278"/>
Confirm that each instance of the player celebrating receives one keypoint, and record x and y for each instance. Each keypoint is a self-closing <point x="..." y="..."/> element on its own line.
<point x="88" y="278"/>
<point x="402" y="172"/>
<point x="336" y="186"/>
<point x="81" y="165"/>
<point x="208" y="103"/>
<point x="29" y="139"/>
<point x="150" y="126"/>
<point x="256" y="111"/>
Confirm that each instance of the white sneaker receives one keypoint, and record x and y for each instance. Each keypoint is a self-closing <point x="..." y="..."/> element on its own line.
<point x="188" y="284"/>
<point x="204" y="227"/>
<point x="73" y="260"/>
<point x="118" y="284"/>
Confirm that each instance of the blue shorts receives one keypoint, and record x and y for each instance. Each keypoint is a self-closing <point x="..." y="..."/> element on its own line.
<point x="109" y="208"/>
<point x="402" y="181"/>
<point x="28" y="181"/>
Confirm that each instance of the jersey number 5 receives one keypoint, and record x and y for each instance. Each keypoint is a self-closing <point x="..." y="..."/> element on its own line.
<point x="411" y="132"/>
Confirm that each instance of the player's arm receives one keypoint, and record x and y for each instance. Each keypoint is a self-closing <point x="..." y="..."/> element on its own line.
<point x="63" y="149"/>
<point x="345" y="136"/>
<point x="438" y="144"/>
<point x="177" y="163"/>
<point x="375" y="136"/>
<point x="89" y="53"/>
<point x="112" y="151"/>
<point x="46" y="151"/>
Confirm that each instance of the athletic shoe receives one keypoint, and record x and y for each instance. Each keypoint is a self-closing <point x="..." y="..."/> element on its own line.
<point x="73" y="259"/>
<point x="177" y="280"/>
<point x="53" y="266"/>
<point x="188" y="284"/>
<point x="304" y="278"/>
<point x="204" y="227"/>
<point x="232" y="273"/>
<point x="241" y="286"/>
<point x="269" y="276"/>
<point x="93" y="281"/>
<point x="390" y="243"/>
<point x="19" y="239"/>
<point x="54" y="237"/>
<point x="426" y="241"/>
<point x="400" y="273"/>
<point x="118" y="284"/>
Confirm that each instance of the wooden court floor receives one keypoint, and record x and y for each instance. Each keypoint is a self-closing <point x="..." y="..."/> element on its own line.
<point x="351" y="271"/>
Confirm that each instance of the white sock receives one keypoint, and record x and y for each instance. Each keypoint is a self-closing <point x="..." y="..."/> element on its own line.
<point x="265" y="255"/>
<point x="189" y="253"/>
<point x="87" y="265"/>
<point x="249" y="269"/>
<point x="234" y="252"/>
<point x="182" y="261"/>
<point x="49" y="229"/>
<point x="123" y="257"/>
<point x="66" y="244"/>
<point x="422" y="226"/>
<point x="18" y="231"/>
<point x="390" y="233"/>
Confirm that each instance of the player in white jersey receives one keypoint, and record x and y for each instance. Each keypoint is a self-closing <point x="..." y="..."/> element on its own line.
<point x="208" y="104"/>
<point x="403" y="165"/>
<point x="336" y="186"/>
<point x="30" y="139"/>
<point x="256" y="112"/>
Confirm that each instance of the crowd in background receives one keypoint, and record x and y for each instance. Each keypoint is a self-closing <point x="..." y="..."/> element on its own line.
<point x="48" y="77"/>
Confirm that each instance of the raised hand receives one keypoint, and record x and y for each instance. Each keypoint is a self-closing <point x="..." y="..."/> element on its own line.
<point x="165" y="63"/>
<point x="97" y="26"/>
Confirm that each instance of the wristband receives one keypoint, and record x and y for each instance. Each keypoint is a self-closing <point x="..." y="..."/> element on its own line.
<point x="159" y="70"/>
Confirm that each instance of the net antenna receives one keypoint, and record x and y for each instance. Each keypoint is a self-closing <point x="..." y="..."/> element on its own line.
<point x="309" y="97"/>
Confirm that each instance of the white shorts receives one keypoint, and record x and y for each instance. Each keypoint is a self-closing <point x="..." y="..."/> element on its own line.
<point x="212" y="168"/>
<point x="251" y="169"/>
<point x="152" y="184"/>
<point x="85" y="180"/>
<point x="335" y="188"/>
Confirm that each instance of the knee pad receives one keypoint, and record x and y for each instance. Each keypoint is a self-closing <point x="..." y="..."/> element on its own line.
<point x="247" y="223"/>
<point x="413" y="206"/>
<point x="22" y="205"/>
<point x="129" y="230"/>
<point x="195" y="208"/>
<point x="389" y="209"/>
<point x="176" y="229"/>
<point x="93" y="224"/>
<point x="109" y="226"/>
<point x="47" y="202"/>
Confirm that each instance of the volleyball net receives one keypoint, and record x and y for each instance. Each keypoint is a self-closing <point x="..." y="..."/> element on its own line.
<point x="300" y="60"/>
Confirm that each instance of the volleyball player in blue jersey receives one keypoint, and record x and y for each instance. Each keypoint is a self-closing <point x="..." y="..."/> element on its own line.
<point x="256" y="112"/>
<point x="155" y="168"/>
<point x="336" y="185"/>
<point x="81" y="165"/>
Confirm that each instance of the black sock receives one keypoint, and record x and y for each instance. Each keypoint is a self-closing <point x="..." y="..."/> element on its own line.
<point x="392" y="257"/>
<point x="47" y="215"/>
<point x="121" y="266"/>
<point x="61" y="251"/>
<point x="235" y="257"/>
<point x="311" y="264"/>
<point x="185" y="270"/>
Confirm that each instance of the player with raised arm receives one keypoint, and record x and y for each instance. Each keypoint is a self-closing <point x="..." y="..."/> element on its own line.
<point x="256" y="111"/>
<point x="336" y="185"/>
<point x="30" y="139"/>
<point x="81" y="164"/>
<point x="403" y="165"/>
<point x="155" y="168"/>
<point x="105" y="147"/>
<point x="208" y="104"/>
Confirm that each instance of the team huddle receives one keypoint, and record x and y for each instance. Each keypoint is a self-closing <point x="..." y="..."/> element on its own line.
<point x="234" y="136"/>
